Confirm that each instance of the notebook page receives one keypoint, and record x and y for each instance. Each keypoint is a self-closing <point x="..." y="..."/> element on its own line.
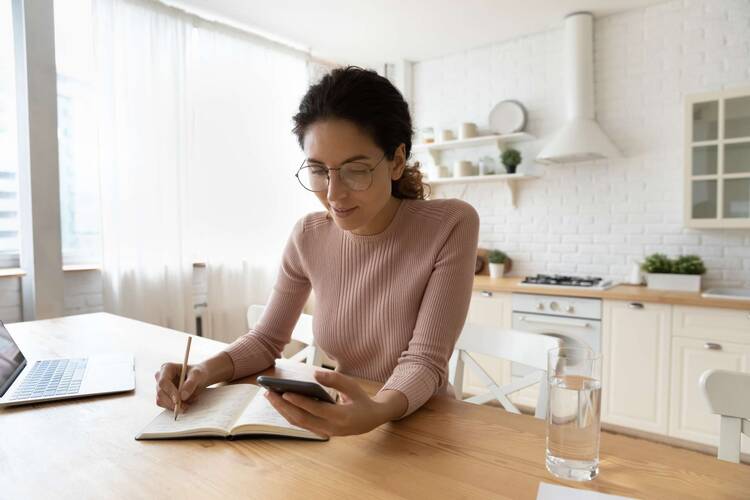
<point x="260" y="412"/>
<point x="214" y="408"/>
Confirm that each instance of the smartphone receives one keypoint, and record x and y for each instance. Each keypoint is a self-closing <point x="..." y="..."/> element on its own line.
<point x="282" y="385"/>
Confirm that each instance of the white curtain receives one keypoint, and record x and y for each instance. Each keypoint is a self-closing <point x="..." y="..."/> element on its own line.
<point x="245" y="198"/>
<point x="140" y="59"/>
<point x="197" y="162"/>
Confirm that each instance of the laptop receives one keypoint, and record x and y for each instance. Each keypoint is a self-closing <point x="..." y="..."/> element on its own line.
<point x="24" y="381"/>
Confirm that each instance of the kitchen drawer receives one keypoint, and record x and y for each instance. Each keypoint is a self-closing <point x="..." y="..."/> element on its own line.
<point x="716" y="325"/>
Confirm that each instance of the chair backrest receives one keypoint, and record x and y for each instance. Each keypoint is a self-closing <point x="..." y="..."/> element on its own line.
<point x="513" y="345"/>
<point x="728" y="395"/>
<point x="303" y="332"/>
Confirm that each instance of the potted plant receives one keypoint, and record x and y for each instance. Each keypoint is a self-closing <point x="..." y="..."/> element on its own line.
<point x="681" y="274"/>
<point x="511" y="159"/>
<point x="499" y="261"/>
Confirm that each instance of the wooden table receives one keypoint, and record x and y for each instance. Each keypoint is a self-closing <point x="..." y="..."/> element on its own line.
<point x="85" y="448"/>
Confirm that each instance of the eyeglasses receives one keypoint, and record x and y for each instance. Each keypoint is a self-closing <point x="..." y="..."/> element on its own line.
<point x="356" y="176"/>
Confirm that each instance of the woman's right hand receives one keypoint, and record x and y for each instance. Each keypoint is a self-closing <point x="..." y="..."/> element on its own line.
<point x="168" y="378"/>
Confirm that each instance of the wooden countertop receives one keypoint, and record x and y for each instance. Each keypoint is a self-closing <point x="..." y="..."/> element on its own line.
<point x="621" y="292"/>
<point x="84" y="448"/>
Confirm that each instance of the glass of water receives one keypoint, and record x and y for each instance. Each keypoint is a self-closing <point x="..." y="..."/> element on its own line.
<point x="573" y="413"/>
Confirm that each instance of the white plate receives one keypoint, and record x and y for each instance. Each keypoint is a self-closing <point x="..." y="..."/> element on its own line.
<point x="507" y="117"/>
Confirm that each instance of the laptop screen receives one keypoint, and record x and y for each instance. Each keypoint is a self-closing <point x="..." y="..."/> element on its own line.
<point x="11" y="360"/>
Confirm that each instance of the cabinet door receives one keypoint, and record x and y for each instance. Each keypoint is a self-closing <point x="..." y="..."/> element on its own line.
<point x="635" y="364"/>
<point x="490" y="309"/>
<point x="717" y="144"/>
<point x="690" y="417"/>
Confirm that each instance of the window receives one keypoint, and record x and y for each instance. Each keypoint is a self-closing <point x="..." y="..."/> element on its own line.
<point x="79" y="179"/>
<point x="9" y="206"/>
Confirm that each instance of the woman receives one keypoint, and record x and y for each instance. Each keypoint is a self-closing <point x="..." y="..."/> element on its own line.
<point x="392" y="272"/>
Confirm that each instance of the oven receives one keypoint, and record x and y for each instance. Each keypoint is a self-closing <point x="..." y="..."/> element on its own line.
<point x="577" y="321"/>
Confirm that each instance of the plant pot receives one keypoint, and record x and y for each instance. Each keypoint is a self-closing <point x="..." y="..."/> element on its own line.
<point x="497" y="270"/>
<point x="511" y="169"/>
<point x="677" y="282"/>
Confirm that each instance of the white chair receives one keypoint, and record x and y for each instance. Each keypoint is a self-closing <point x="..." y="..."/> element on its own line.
<point x="303" y="332"/>
<point x="728" y="395"/>
<point x="512" y="345"/>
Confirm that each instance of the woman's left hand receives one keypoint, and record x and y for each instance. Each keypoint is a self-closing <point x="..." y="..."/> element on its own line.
<point x="355" y="413"/>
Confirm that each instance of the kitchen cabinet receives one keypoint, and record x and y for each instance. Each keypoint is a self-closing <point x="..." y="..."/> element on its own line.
<point x="717" y="159"/>
<point x="718" y="325"/>
<point x="490" y="309"/>
<point x="635" y="364"/>
<point x="690" y="416"/>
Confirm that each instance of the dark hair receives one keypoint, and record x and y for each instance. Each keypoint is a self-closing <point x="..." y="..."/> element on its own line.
<point x="375" y="105"/>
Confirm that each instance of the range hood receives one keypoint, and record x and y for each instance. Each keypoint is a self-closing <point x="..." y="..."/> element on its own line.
<point x="581" y="138"/>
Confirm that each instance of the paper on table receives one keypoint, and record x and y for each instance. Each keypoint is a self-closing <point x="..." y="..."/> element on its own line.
<point x="215" y="408"/>
<point x="556" y="492"/>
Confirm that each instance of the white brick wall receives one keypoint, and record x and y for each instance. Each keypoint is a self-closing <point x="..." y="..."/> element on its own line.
<point x="598" y="218"/>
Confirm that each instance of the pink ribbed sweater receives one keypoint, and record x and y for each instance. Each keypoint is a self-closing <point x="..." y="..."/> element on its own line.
<point x="388" y="307"/>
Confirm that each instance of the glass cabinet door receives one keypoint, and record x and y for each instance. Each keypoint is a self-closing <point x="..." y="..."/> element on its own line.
<point x="718" y="159"/>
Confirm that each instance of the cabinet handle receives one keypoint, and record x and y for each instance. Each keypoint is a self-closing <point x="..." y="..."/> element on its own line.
<point x="485" y="293"/>
<point x="635" y="305"/>
<point x="712" y="346"/>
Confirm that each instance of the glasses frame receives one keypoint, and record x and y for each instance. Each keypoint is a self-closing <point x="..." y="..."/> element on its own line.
<point x="328" y="176"/>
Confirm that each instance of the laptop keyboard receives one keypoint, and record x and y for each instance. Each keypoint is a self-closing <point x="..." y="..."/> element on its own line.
<point x="52" y="377"/>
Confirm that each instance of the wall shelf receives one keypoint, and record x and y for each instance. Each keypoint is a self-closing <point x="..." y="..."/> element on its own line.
<point x="511" y="180"/>
<point x="501" y="142"/>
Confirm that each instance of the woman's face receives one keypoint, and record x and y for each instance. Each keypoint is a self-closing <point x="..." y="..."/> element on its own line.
<point x="333" y="143"/>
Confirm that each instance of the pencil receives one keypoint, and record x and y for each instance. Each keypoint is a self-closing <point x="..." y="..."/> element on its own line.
<point x="182" y="377"/>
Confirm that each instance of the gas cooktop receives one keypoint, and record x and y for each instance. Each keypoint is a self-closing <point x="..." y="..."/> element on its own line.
<point x="568" y="281"/>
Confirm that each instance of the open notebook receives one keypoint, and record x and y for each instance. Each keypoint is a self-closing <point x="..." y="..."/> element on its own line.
<point x="230" y="410"/>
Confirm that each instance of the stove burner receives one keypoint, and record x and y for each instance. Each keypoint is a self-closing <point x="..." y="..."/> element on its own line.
<point x="575" y="281"/>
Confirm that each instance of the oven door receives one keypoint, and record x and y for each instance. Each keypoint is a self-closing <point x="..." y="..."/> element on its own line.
<point x="574" y="332"/>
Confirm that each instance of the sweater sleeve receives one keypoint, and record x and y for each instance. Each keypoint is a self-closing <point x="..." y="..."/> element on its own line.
<point x="423" y="368"/>
<point x="262" y="345"/>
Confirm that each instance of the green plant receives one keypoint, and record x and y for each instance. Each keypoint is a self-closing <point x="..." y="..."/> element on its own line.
<point x="657" y="263"/>
<point x="688" y="264"/>
<point x="511" y="157"/>
<point x="497" y="257"/>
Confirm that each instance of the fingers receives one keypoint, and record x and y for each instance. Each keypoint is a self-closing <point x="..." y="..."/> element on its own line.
<point x="163" y="400"/>
<point x="320" y="409"/>
<point x="190" y="385"/>
<point x="342" y="383"/>
<point x="299" y="417"/>
<point x="166" y="389"/>
<point x="165" y="379"/>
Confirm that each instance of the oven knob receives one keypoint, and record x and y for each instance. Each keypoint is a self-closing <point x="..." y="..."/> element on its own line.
<point x="553" y="305"/>
<point x="570" y="309"/>
<point x="540" y="306"/>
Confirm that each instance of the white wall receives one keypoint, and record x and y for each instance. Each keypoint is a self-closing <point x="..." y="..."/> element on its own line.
<point x="597" y="218"/>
